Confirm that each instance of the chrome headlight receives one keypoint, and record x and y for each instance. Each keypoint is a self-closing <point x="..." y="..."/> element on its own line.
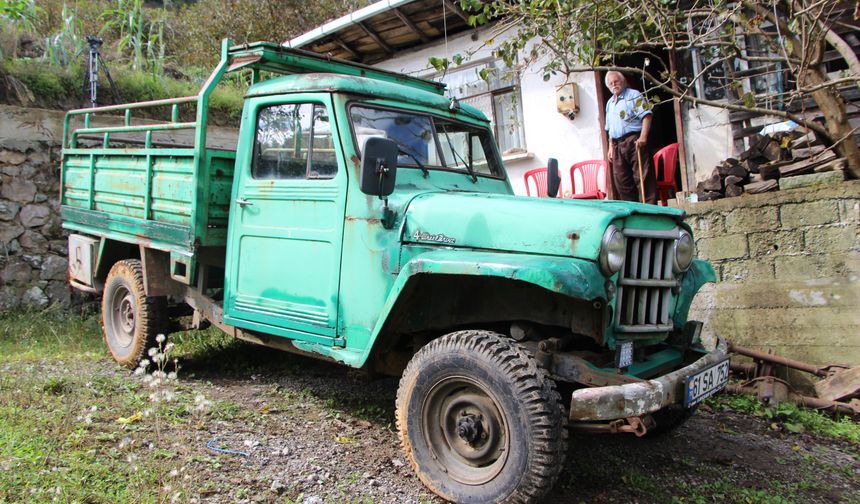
<point x="685" y="251"/>
<point x="612" y="251"/>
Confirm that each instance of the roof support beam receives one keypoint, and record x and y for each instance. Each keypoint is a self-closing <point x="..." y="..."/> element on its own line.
<point x="376" y="38"/>
<point x="457" y="10"/>
<point x="424" y="38"/>
<point x="340" y="43"/>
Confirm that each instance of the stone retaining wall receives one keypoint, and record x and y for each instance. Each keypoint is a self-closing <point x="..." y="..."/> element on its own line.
<point x="33" y="246"/>
<point x="788" y="265"/>
<point x="33" y="259"/>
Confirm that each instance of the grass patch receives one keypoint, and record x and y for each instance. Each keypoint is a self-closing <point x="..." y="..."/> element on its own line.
<point x="71" y="433"/>
<point x="791" y="417"/>
<point x="724" y="490"/>
<point x="58" y="438"/>
<point x="34" y="336"/>
<point x="727" y="492"/>
<point x="45" y="81"/>
<point x="202" y="344"/>
<point x="641" y="483"/>
<point x="55" y="87"/>
<point x="73" y="430"/>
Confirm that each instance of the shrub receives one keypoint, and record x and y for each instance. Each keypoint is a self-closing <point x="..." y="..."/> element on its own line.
<point x="48" y="84"/>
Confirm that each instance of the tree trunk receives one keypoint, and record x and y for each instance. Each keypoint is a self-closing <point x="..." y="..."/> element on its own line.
<point x="827" y="98"/>
<point x="844" y="50"/>
<point x="833" y="107"/>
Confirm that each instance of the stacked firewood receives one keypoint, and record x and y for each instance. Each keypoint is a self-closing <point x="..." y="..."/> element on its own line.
<point x="770" y="159"/>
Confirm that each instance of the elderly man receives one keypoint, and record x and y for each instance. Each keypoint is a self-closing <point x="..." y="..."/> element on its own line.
<point x="627" y="123"/>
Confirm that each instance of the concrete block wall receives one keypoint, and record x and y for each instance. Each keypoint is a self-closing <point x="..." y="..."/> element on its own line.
<point x="788" y="269"/>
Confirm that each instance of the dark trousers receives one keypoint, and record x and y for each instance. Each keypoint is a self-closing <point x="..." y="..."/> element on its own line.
<point x="625" y="171"/>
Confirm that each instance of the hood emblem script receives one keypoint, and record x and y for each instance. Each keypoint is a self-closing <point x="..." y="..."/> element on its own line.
<point x="419" y="235"/>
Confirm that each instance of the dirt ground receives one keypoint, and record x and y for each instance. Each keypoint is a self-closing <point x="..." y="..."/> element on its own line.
<point x="312" y="432"/>
<point x="323" y="433"/>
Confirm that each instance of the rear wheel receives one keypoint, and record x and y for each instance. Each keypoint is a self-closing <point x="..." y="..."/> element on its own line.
<point x="480" y="421"/>
<point x="130" y="319"/>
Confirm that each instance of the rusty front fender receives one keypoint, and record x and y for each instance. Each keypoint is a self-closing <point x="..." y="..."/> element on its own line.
<point x="573" y="277"/>
<point x="699" y="274"/>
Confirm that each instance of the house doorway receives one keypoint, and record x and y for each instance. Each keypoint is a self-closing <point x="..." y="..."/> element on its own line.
<point x="666" y="125"/>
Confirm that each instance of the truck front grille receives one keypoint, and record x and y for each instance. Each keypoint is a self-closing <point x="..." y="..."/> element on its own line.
<point x="646" y="281"/>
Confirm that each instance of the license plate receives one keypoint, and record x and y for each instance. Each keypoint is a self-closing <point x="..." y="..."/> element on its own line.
<point x="706" y="383"/>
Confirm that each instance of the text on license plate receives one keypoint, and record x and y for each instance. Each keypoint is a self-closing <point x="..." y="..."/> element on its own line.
<point x="706" y="383"/>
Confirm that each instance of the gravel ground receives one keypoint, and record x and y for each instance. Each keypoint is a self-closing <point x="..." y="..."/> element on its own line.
<point x="313" y="432"/>
<point x="323" y="433"/>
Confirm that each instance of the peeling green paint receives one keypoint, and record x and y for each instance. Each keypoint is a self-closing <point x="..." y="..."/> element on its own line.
<point x="308" y="259"/>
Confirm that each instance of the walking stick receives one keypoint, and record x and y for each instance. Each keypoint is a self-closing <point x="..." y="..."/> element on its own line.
<point x="641" y="179"/>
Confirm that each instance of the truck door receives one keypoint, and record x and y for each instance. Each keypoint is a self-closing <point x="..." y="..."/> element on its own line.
<point x="286" y="220"/>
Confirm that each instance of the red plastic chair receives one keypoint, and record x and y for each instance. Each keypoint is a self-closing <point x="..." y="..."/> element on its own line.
<point x="590" y="173"/>
<point x="666" y="185"/>
<point x="538" y="177"/>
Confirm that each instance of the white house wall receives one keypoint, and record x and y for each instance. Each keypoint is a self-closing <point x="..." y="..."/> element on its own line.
<point x="547" y="133"/>
<point x="708" y="140"/>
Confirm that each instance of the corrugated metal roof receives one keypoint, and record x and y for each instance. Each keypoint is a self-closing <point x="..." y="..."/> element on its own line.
<point x="376" y="32"/>
<point x="333" y="27"/>
<point x="362" y="86"/>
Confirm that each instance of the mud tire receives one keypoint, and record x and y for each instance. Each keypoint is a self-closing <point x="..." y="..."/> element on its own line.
<point x="481" y="374"/>
<point x="130" y="320"/>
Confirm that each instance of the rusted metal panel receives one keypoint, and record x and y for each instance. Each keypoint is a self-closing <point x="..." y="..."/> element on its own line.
<point x="156" y="273"/>
<point x="637" y="399"/>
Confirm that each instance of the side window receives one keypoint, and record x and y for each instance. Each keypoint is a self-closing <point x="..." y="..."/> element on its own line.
<point x="293" y="141"/>
<point x="464" y="145"/>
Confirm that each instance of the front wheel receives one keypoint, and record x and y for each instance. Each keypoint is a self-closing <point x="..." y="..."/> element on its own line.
<point x="480" y="421"/>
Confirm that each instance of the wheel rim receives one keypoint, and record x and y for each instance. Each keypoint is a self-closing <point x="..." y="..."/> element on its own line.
<point x="123" y="316"/>
<point x="465" y="429"/>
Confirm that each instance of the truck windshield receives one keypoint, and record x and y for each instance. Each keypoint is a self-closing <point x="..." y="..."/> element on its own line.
<point x="430" y="141"/>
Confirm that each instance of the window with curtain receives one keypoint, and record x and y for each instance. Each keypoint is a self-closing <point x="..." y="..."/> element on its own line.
<point x="497" y="96"/>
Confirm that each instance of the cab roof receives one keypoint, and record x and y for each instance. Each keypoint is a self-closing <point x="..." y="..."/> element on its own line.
<point x="360" y="86"/>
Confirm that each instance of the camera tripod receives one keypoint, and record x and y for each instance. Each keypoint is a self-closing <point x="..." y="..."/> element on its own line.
<point x="91" y="78"/>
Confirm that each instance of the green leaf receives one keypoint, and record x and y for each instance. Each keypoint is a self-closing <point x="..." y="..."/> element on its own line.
<point x="440" y="64"/>
<point x="792" y="427"/>
<point x="749" y="100"/>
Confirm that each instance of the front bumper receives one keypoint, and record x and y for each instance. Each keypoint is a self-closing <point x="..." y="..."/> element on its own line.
<point x="641" y="398"/>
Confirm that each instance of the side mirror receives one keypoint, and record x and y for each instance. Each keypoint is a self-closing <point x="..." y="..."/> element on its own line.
<point x="378" y="166"/>
<point x="553" y="180"/>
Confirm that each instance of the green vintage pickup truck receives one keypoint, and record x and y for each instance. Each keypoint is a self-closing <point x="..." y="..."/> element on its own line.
<point x="366" y="218"/>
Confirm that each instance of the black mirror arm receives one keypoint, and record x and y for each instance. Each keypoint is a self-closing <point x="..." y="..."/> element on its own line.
<point x="382" y="170"/>
<point x="387" y="213"/>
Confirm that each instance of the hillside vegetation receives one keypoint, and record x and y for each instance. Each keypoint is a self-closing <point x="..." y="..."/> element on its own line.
<point x="153" y="49"/>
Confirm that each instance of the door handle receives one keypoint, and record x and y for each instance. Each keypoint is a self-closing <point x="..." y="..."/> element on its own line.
<point x="242" y="202"/>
